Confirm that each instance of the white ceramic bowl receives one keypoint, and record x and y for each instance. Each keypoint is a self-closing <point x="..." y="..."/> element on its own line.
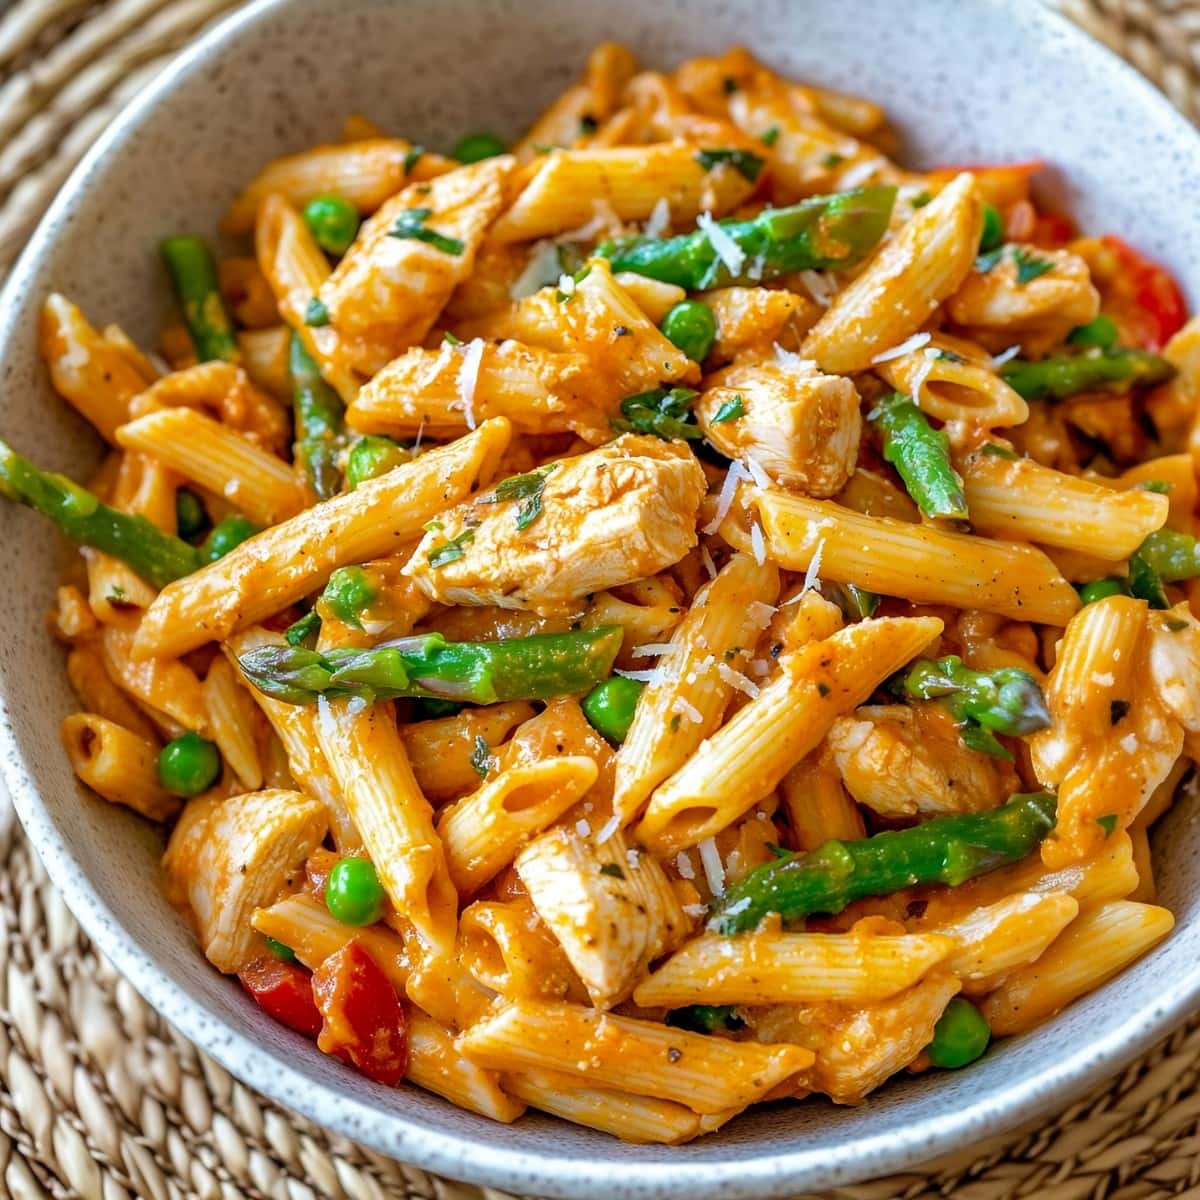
<point x="966" y="81"/>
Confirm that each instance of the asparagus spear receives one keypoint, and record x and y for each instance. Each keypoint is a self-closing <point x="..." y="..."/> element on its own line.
<point x="319" y="414"/>
<point x="532" y="668"/>
<point x="1007" y="700"/>
<point x="194" y="277"/>
<point x="820" y="233"/>
<point x="1166" y="556"/>
<point x="947" y="850"/>
<point x="1113" y="370"/>
<point x="156" y="556"/>
<point x="921" y="454"/>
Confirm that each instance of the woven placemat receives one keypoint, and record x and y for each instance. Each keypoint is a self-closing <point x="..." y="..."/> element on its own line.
<point x="101" y="1099"/>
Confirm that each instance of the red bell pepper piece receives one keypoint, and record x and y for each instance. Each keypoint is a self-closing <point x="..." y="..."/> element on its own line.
<point x="285" y="990"/>
<point x="1154" y="292"/>
<point x="365" y="1022"/>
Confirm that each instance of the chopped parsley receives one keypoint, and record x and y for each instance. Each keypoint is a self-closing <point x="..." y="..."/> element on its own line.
<point x="1108" y="823"/>
<point x="833" y="160"/>
<point x="948" y="356"/>
<point x="613" y="870"/>
<point x="316" y="314"/>
<point x="745" y="162"/>
<point x="1161" y="486"/>
<point x="452" y="550"/>
<point x="673" y="724"/>
<point x="823" y="689"/>
<point x="412" y="158"/>
<point x="1029" y="266"/>
<point x="993" y="450"/>
<point x="116" y="595"/>
<point x="1177" y="626"/>
<point x="665" y="414"/>
<point x="769" y="136"/>
<point x="1117" y="710"/>
<point x="411" y="224"/>
<point x="450" y="340"/>
<point x="920" y="200"/>
<point x="298" y="632"/>
<point x="975" y="737"/>
<point x="705" y="1018"/>
<point x="481" y="757"/>
<point x="527" y="488"/>
<point x="985" y="262"/>
<point x="729" y="411"/>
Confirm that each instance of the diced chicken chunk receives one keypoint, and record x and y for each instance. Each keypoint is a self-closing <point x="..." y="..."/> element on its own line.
<point x="800" y="426"/>
<point x="619" y="513"/>
<point x="901" y="760"/>
<point x="227" y="858"/>
<point x="385" y="295"/>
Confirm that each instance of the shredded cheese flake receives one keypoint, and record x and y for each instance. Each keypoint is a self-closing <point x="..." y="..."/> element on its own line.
<point x="859" y="173"/>
<point x="921" y="374"/>
<point x="660" y="218"/>
<point x="758" y="545"/>
<point x="794" y="361"/>
<point x="821" y="289"/>
<point x="758" y="474"/>
<point x="1005" y="356"/>
<point x="609" y="828"/>
<point x="583" y="828"/>
<point x="640" y="676"/>
<point x="689" y="710"/>
<point x="683" y="864"/>
<point x="707" y="560"/>
<point x="733" y="477"/>
<point x="468" y="377"/>
<point x="760" y="613"/>
<point x="540" y="271"/>
<point x="714" y="869"/>
<point x="905" y="347"/>
<point x="812" y="577"/>
<point x="738" y="681"/>
<point x="727" y="250"/>
<point x="649" y="649"/>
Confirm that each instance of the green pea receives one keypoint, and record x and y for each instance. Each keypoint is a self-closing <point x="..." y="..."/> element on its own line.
<point x="333" y="222"/>
<point x="225" y="535"/>
<point x="992" y="237"/>
<point x="1101" y="332"/>
<point x="189" y="765"/>
<point x="280" y="951"/>
<point x="373" y="455"/>
<point x="1098" y="589"/>
<point x="353" y="893"/>
<point x="477" y="146"/>
<point x="190" y="518"/>
<point x="960" y="1036"/>
<point x="609" y="706"/>
<point x="348" y="594"/>
<point x="691" y="327"/>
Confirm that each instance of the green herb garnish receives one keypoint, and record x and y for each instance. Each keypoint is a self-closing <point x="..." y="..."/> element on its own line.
<point x="729" y="411"/>
<point x="745" y="162"/>
<point x="411" y="224"/>
<point x="527" y="488"/>
<point x="453" y="550"/>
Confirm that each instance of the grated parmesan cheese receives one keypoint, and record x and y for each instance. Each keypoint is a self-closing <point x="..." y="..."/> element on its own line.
<point x="1129" y="743"/>
<point x="689" y="710"/>
<point x="758" y="474"/>
<point x="1005" y="356"/>
<point x="727" y="250"/>
<point x="648" y="649"/>
<point x="660" y="218"/>
<point x="683" y="864"/>
<point x="695" y="910"/>
<point x="757" y="544"/>
<point x="905" y="347"/>
<point x="738" y="681"/>
<point x="633" y="858"/>
<point x="609" y="828"/>
<point x="583" y="828"/>
<point x="733" y="477"/>
<point x="714" y="869"/>
<point x="821" y="289"/>
<point x="1103" y="680"/>
<point x="759" y="668"/>
<point x="468" y="377"/>
<point x="707" y="560"/>
<point x="859" y="173"/>
<point x="760" y="613"/>
<point x="812" y="577"/>
<point x="540" y="271"/>
<point x="789" y="358"/>
<point x="640" y="676"/>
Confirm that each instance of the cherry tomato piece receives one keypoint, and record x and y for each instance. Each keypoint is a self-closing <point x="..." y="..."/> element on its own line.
<point x="285" y="991"/>
<point x="365" y="1022"/>
<point x="1153" y="290"/>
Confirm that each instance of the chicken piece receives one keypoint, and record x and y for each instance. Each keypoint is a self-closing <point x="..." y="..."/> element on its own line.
<point x="902" y="760"/>
<point x="618" y="513"/>
<point x="387" y="292"/>
<point x="800" y="426"/>
<point x="1174" y="658"/>
<point x="446" y="391"/>
<point x="750" y="319"/>
<point x="1047" y="306"/>
<point x="229" y="857"/>
<point x="612" y="908"/>
<point x="857" y="1049"/>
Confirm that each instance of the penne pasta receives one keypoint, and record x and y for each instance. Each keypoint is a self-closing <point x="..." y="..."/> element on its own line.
<point x="117" y="764"/>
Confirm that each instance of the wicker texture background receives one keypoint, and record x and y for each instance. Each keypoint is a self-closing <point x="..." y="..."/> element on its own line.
<point x="101" y="1099"/>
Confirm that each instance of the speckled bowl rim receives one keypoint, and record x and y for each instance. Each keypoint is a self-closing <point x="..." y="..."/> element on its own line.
<point x="779" y="1170"/>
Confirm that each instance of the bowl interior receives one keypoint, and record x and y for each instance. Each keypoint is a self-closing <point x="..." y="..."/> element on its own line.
<point x="987" y="80"/>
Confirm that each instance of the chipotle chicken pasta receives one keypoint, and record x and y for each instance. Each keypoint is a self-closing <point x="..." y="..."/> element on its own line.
<point x="674" y="612"/>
